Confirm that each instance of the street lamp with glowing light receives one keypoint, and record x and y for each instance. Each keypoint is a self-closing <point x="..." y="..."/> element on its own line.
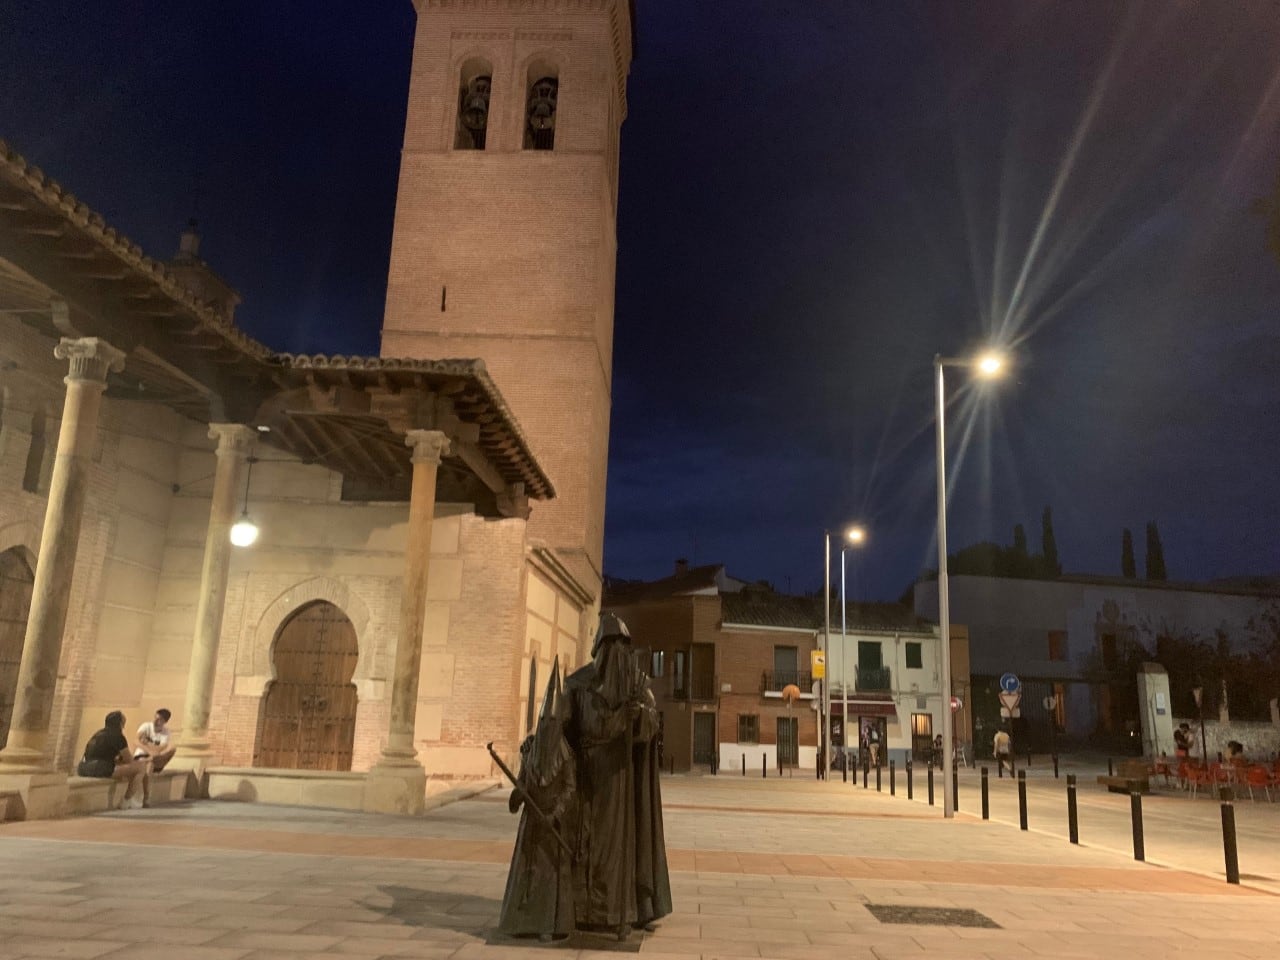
<point x="988" y="365"/>
<point x="855" y="535"/>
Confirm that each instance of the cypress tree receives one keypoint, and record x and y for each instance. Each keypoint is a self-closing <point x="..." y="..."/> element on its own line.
<point x="1155" y="554"/>
<point x="1128" y="566"/>
<point x="1019" y="540"/>
<point x="1049" y="544"/>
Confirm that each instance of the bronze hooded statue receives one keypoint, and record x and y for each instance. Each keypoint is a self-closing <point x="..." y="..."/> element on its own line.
<point x="621" y="878"/>
<point x="539" y="900"/>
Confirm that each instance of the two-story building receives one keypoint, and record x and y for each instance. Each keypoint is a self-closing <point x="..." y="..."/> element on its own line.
<point x="732" y="669"/>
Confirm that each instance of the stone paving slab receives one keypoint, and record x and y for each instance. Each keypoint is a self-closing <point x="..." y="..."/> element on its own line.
<point x="242" y="881"/>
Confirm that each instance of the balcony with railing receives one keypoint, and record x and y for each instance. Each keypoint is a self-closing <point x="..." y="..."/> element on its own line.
<point x="773" y="682"/>
<point x="699" y="688"/>
<point x="873" y="680"/>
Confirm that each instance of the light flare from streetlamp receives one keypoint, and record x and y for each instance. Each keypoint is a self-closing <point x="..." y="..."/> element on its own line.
<point x="856" y="535"/>
<point x="990" y="365"/>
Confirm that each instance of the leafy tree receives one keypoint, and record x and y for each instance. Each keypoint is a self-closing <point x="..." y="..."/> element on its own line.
<point x="1155" y="555"/>
<point x="1049" y="544"/>
<point x="1128" y="567"/>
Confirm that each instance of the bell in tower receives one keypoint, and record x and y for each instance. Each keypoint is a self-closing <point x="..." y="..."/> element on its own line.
<point x="473" y="113"/>
<point x="540" y="133"/>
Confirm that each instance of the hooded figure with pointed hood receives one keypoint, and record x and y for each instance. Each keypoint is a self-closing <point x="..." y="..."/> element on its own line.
<point x="539" y="899"/>
<point x="621" y="873"/>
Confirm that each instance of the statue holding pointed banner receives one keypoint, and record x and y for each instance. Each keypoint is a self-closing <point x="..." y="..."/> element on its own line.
<point x="611" y="833"/>
<point x="539" y="899"/>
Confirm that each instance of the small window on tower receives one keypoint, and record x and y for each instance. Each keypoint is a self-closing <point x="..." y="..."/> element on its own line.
<point x="473" y="105"/>
<point x="543" y="87"/>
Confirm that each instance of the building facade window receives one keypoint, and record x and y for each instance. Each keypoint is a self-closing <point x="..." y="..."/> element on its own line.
<point x="680" y="677"/>
<point x="915" y="655"/>
<point x="475" y="88"/>
<point x="1057" y="644"/>
<point x="658" y="663"/>
<point x="748" y="728"/>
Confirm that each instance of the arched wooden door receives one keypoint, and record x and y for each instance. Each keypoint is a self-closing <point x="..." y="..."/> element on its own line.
<point x="308" y="716"/>
<point x="16" y="581"/>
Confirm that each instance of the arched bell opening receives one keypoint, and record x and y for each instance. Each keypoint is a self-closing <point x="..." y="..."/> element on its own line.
<point x="307" y="720"/>
<point x="475" y="89"/>
<point x="542" y="92"/>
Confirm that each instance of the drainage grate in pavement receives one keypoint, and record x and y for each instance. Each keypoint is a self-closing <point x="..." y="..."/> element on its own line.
<point x="930" y="916"/>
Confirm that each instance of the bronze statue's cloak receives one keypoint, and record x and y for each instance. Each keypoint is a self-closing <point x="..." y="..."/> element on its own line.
<point x="599" y="731"/>
<point x="653" y="883"/>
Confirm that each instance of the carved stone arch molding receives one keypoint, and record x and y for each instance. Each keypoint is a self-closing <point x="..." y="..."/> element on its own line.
<point x="259" y="663"/>
<point x="25" y="536"/>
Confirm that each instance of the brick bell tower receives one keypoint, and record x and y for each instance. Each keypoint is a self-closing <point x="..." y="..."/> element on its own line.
<point x="505" y="235"/>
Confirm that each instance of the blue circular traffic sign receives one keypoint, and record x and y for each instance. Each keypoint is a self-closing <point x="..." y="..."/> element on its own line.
<point x="1010" y="683"/>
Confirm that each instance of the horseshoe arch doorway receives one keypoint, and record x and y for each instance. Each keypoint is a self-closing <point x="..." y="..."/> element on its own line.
<point x="307" y="720"/>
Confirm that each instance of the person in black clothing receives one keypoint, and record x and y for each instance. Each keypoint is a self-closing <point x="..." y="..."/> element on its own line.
<point x="107" y="755"/>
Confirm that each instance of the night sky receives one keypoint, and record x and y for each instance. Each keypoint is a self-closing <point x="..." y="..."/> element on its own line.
<point x="817" y="196"/>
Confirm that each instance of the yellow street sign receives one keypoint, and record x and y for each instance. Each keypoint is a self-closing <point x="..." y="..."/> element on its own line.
<point x="818" y="664"/>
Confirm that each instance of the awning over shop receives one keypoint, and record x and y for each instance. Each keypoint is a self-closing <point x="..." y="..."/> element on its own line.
<point x="865" y="708"/>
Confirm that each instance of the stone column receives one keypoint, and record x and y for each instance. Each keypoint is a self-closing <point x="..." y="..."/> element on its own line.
<point x="90" y="360"/>
<point x="397" y="783"/>
<point x="235" y="441"/>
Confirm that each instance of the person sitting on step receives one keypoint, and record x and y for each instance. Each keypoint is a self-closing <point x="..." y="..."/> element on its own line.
<point x="154" y="748"/>
<point x="107" y="756"/>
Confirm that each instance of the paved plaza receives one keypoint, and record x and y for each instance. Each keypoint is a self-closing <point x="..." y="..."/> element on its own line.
<point x="783" y="869"/>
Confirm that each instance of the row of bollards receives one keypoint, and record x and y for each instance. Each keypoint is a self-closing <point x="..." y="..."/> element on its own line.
<point x="1229" y="846"/>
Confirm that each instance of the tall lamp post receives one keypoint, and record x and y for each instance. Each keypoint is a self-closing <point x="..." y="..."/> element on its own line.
<point x="988" y="366"/>
<point x="855" y="537"/>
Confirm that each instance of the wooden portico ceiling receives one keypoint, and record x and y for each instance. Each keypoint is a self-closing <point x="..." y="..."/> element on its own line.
<point x="66" y="273"/>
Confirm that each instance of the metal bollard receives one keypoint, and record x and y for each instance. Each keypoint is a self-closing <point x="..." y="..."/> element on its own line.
<point x="877" y="778"/>
<point x="893" y="780"/>
<point x="986" y="799"/>
<point x="1055" y="766"/>
<point x="866" y="771"/>
<point x="1111" y="767"/>
<point x="931" y="783"/>
<point x="1135" y="809"/>
<point x="1073" y="819"/>
<point x="1022" y="799"/>
<point x="1229" y="836"/>
<point x="764" y="766"/>
<point x="673" y="765"/>
<point x="955" y="787"/>
<point x="844" y="768"/>
<point x="744" y="764"/>
<point x="910" y="792"/>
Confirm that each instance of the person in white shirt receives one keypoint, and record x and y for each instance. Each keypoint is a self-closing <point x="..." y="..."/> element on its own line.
<point x="154" y="747"/>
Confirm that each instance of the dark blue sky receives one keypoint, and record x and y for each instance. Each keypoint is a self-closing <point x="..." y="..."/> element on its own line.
<point x="817" y="196"/>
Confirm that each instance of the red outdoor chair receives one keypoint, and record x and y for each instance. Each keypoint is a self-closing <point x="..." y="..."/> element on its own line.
<point x="1259" y="776"/>
<point x="1198" y="777"/>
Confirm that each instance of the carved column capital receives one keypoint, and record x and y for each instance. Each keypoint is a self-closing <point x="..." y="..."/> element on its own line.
<point x="91" y="358"/>
<point x="429" y="446"/>
<point x="234" y="439"/>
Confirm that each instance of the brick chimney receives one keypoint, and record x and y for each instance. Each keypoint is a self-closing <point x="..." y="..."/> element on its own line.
<point x="682" y="567"/>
